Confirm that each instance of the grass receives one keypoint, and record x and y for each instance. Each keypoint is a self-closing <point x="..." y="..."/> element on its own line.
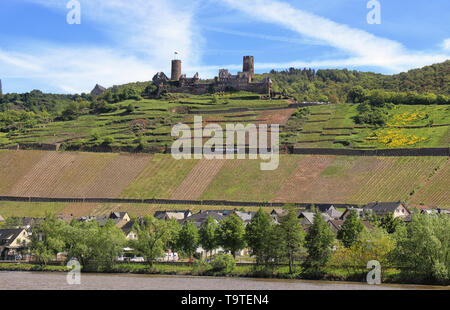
<point x="243" y="180"/>
<point x="159" y="179"/>
<point x="280" y="272"/>
<point x="25" y="209"/>
<point x="335" y="122"/>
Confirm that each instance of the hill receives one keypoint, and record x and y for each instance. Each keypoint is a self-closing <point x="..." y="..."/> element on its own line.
<point x="335" y="85"/>
<point x="299" y="178"/>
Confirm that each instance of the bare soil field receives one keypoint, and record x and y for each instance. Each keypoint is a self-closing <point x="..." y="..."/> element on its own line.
<point x="299" y="184"/>
<point x="117" y="175"/>
<point x="299" y="178"/>
<point x="198" y="179"/>
<point x="14" y="165"/>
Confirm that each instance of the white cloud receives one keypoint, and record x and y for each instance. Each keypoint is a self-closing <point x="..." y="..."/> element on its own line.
<point x="364" y="49"/>
<point x="144" y="33"/>
<point x="446" y="44"/>
<point x="75" y="69"/>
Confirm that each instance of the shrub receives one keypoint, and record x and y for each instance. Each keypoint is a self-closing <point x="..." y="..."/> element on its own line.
<point x="223" y="263"/>
<point x="200" y="267"/>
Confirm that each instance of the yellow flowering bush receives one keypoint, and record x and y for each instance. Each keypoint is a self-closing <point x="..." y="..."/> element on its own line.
<point x="404" y="118"/>
<point x="395" y="138"/>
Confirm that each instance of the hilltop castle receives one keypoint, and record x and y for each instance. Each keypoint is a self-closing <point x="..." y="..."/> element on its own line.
<point x="179" y="83"/>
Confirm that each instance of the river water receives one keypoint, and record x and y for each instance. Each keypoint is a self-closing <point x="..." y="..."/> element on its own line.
<point x="57" y="281"/>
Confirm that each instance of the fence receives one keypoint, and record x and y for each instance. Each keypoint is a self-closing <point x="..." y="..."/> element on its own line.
<point x="377" y="152"/>
<point x="224" y="203"/>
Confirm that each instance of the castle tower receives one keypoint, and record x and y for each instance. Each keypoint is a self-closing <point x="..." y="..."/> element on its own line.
<point x="249" y="66"/>
<point x="176" y="70"/>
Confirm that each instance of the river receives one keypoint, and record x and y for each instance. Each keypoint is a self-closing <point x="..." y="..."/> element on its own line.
<point x="57" y="281"/>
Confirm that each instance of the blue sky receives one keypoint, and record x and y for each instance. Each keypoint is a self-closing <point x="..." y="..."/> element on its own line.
<point x="121" y="41"/>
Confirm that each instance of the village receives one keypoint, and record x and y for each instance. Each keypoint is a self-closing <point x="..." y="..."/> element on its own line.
<point x="16" y="233"/>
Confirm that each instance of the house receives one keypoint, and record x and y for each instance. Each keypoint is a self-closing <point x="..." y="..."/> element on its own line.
<point x="397" y="209"/>
<point x="334" y="213"/>
<point x="336" y="225"/>
<point x="307" y="218"/>
<point x="200" y="218"/>
<point x="129" y="231"/>
<point x="167" y="215"/>
<point x="119" y="219"/>
<point x="29" y="222"/>
<point x="65" y="217"/>
<point x="359" y="211"/>
<point x="12" y="241"/>
<point x="245" y="216"/>
<point x="276" y="214"/>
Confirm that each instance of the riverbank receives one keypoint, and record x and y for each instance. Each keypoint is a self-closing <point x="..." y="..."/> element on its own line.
<point x="391" y="276"/>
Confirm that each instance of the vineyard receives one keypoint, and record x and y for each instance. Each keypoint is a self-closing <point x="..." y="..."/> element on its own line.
<point x="299" y="178"/>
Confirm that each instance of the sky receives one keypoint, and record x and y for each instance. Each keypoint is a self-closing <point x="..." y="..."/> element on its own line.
<point x="122" y="41"/>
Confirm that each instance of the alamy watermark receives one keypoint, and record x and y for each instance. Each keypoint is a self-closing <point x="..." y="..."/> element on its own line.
<point x="74" y="15"/>
<point x="189" y="146"/>
<point x="374" y="15"/>
<point x="374" y="275"/>
<point x="74" y="275"/>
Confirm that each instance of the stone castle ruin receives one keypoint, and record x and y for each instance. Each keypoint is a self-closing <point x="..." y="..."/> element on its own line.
<point x="243" y="81"/>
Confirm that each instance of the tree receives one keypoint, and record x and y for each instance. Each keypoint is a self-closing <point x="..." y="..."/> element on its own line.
<point x="357" y="94"/>
<point x="188" y="239"/>
<point x="423" y="247"/>
<point x="209" y="235"/>
<point x="375" y="244"/>
<point x="318" y="242"/>
<point x="350" y="230"/>
<point x="153" y="236"/>
<point x="292" y="235"/>
<point x="257" y="234"/>
<point x="232" y="234"/>
<point x="47" y="239"/>
<point x="390" y="224"/>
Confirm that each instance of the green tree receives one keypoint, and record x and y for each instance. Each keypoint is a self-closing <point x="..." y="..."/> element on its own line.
<point x="153" y="236"/>
<point x="293" y="237"/>
<point x="108" y="246"/>
<point x="423" y="247"/>
<point x="319" y="240"/>
<point x="257" y="234"/>
<point x="232" y="234"/>
<point x="390" y="224"/>
<point x="209" y="235"/>
<point x="351" y="229"/>
<point x="47" y="239"/>
<point x="188" y="239"/>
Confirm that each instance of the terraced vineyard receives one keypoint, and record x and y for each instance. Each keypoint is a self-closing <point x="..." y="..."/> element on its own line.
<point x="332" y="126"/>
<point x="299" y="178"/>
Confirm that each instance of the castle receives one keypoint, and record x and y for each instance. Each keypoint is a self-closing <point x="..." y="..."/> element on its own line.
<point x="179" y="83"/>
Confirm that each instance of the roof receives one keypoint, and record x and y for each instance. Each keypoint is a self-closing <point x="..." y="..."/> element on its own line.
<point x="199" y="218"/>
<point x="383" y="208"/>
<point x="336" y="225"/>
<point x="334" y="213"/>
<point x="167" y="215"/>
<point x="7" y="236"/>
<point x="310" y="216"/>
<point x="245" y="216"/>
<point x="98" y="90"/>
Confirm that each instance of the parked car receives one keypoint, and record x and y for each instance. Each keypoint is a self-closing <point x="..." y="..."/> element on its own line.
<point x="137" y="260"/>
